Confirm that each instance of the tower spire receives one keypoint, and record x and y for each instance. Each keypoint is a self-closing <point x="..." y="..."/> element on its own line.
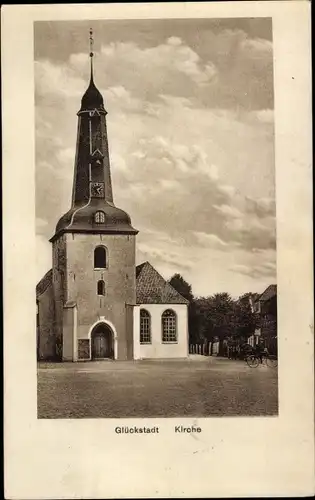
<point x="92" y="194"/>
<point x="91" y="53"/>
<point x="92" y="99"/>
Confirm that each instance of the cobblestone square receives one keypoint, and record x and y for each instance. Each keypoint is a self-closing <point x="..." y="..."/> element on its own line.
<point x="197" y="387"/>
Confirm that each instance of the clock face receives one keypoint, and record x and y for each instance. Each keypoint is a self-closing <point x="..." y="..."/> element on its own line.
<point x="97" y="189"/>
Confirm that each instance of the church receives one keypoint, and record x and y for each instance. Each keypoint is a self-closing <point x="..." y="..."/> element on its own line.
<point x="95" y="303"/>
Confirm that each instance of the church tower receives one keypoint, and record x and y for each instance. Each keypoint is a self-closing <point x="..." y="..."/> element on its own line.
<point x="94" y="278"/>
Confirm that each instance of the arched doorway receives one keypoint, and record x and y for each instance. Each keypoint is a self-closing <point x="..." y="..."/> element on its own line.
<point x="102" y="342"/>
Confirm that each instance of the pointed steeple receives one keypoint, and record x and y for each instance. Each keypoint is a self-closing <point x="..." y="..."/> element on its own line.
<point x="92" y="99"/>
<point x="92" y="192"/>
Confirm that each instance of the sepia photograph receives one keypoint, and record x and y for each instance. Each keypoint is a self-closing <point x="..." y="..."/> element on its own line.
<point x="155" y="218"/>
<point x="158" y="250"/>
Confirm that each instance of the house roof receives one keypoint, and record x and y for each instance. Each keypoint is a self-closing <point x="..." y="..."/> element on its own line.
<point x="269" y="293"/>
<point x="255" y="296"/>
<point x="152" y="288"/>
<point x="44" y="283"/>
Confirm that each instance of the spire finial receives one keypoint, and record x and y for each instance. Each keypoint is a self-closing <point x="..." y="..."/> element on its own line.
<point x="91" y="52"/>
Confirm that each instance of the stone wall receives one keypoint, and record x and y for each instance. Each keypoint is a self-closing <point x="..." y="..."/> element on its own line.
<point x="46" y="325"/>
<point x="69" y="345"/>
<point x="120" y="285"/>
<point x="59" y="258"/>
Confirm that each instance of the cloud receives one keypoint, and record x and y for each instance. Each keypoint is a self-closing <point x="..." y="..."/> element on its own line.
<point x="262" y="207"/>
<point x="228" y="210"/>
<point x="165" y="253"/>
<point x="265" y="270"/>
<point x="120" y="98"/>
<point x="264" y="115"/>
<point x="174" y="40"/>
<point x="226" y="69"/>
<point x="174" y="55"/>
<point x="54" y="176"/>
<point x="257" y="46"/>
<point x="170" y="262"/>
<point x="65" y="155"/>
<point x="244" y="68"/>
<point x="252" y="233"/>
<point x="185" y="125"/>
<point x="147" y="72"/>
<point x="209" y="240"/>
<point x="52" y="79"/>
<point x="179" y="180"/>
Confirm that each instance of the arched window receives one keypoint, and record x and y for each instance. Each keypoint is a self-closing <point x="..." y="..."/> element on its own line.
<point x="99" y="217"/>
<point x="169" y="326"/>
<point x="145" y="327"/>
<point x="101" y="287"/>
<point x="100" y="258"/>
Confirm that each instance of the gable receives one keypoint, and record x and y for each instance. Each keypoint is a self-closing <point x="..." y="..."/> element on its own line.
<point x="269" y="293"/>
<point x="44" y="283"/>
<point x="152" y="288"/>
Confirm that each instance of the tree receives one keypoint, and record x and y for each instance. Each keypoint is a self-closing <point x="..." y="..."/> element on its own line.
<point x="214" y="316"/>
<point x="201" y="327"/>
<point x="182" y="287"/>
<point x="222" y="317"/>
<point x="246" y="320"/>
<point x="217" y="316"/>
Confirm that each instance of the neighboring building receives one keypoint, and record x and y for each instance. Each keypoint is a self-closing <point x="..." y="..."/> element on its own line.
<point x="91" y="304"/>
<point x="253" y="340"/>
<point x="266" y="306"/>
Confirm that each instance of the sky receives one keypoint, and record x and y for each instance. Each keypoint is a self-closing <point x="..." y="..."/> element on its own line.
<point x="191" y="138"/>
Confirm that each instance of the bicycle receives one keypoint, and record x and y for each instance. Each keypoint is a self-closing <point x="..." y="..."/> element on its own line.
<point x="253" y="360"/>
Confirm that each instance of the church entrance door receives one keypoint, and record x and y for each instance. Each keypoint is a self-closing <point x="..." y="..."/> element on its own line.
<point x="102" y="342"/>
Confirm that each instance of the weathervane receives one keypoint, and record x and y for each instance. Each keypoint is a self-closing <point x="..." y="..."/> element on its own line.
<point x="91" y="51"/>
<point x="91" y="42"/>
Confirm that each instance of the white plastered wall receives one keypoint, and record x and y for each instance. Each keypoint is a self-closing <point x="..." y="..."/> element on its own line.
<point x="158" y="349"/>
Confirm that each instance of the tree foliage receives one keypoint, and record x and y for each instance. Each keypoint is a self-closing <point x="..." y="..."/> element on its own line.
<point x="182" y="287"/>
<point x="223" y="317"/>
<point x="218" y="315"/>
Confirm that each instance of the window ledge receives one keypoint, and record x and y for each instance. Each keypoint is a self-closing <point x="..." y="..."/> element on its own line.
<point x="169" y="341"/>
<point x="145" y="343"/>
<point x="100" y="268"/>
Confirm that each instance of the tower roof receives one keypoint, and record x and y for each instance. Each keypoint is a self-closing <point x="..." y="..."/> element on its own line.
<point x="93" y="209"/>
<point x="82" y="220"/>
<point x="92" y="99"/>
